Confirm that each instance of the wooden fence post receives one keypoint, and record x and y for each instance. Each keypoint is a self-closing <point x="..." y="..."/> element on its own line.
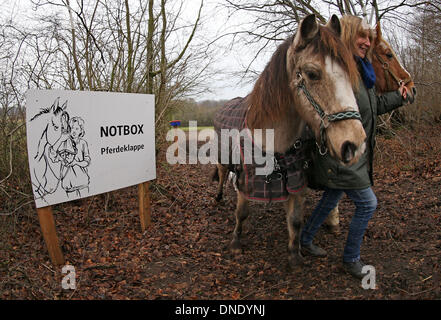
<point x="47" y="225"/>
<point x="144" y="205"/>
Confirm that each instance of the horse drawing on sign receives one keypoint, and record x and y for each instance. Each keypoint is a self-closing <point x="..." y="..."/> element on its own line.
<point x="309" y="80"/>
<point x="390" y="74"/>
<point x="54" y="121"/>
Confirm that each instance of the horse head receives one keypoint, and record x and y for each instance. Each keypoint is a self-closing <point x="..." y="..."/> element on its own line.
<point x="322" y="75"/>
<point x="389" y="71"/>
<point x="54" y="121"/>
<point x="58" y="122"/>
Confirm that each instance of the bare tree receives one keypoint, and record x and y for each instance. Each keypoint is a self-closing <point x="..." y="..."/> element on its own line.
<point x="16" y="74"/>
<point x="273" y="21"/>
<point x="105" y="45"/>
<point x="423" y="53"/>
<point x="126" y="46"/>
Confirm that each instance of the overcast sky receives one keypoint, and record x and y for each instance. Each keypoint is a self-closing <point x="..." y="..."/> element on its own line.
<point x="227" y="84"/>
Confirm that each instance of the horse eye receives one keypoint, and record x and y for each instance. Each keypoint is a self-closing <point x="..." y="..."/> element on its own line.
<point x="389" y="55"/>
<point x="312" y="75"/>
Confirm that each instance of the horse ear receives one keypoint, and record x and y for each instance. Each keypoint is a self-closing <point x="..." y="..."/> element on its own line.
<point x="308" y="28"/>
<point x="378" y="29"/>
<point x="64" y="106"/>
<point x="55" y="105"/>
<point x="334" y="24"/>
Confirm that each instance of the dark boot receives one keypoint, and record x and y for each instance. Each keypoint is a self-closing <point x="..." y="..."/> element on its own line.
<point x="354" y="269"/>
<point x="312" y="250"/>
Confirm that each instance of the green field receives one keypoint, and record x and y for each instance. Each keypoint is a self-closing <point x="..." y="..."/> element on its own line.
<point x="186" y="129"/>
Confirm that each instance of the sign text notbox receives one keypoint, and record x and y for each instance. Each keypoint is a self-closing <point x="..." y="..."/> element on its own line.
<point x="85" y="143"/>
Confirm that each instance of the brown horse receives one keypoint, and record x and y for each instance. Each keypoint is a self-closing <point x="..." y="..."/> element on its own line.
<point x="389" y="71"/>
<point x="390" y="74"/>
<point x="309" y="80"/>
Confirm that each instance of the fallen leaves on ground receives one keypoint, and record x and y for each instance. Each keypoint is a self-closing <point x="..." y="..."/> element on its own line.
<point x="185" y="252"/>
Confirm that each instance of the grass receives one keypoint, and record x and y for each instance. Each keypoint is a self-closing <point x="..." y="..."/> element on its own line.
<point x="186" y="129"/>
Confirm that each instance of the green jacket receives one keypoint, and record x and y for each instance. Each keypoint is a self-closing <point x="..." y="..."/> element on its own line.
<point x="331" y="173"/>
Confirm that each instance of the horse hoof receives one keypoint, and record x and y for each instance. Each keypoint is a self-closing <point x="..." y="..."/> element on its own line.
<point x="295" y="261"/>
<point x="235" y="247"/>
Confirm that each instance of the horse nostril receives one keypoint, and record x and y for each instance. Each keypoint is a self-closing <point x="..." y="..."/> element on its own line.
<point x="348" y="151"/>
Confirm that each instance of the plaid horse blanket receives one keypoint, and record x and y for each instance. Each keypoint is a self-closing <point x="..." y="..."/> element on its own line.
<point x="288" y="174"/>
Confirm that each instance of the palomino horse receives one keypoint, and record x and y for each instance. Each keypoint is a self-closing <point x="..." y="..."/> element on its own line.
<point x="309" y="80"/>
<point x="390" y="75"/>
<point x="54" y="120"/>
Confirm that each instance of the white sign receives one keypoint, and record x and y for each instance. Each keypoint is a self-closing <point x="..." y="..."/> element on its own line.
<point x="85" y="143"/>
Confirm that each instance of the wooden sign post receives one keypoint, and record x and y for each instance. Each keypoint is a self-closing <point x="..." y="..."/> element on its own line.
<point x="47" y="225"/>
<point x="144" y="205"/>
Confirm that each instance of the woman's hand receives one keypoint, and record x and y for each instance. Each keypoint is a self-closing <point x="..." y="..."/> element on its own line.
<point x="81" y="164"/>
<point x="403" y="91"/>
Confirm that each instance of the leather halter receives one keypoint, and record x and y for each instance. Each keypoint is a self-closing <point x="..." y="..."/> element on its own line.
<point x="325" y="118"/>
<point x="387" y="70"/>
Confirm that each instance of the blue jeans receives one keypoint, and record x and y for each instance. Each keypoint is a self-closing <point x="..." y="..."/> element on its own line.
<point x="365" y="202"/>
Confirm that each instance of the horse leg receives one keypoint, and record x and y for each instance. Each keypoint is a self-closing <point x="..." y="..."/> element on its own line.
<point x="241" y="214"/>
<point x="294" y="219"/>
<point x="222" y="172"/>
<point x="332" y="222"/>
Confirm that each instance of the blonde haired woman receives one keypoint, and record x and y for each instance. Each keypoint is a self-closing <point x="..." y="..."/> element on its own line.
<point x="356" y="180"/>
<point x="73" y="153"/>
